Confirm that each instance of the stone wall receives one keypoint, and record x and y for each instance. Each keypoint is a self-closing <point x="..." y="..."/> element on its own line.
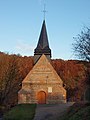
<point x="58" y="94"/>
<point x="44" y="78"/>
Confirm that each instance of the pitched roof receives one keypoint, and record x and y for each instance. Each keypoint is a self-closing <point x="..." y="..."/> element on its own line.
<point x="43" y="44"/>
<point x="43" y="39"/>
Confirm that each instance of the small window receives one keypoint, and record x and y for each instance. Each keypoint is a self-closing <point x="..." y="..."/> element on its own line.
<point x="49" y="89"/>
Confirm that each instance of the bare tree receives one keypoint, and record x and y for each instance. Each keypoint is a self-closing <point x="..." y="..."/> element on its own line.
<point x="81" y="49"/>
<point x="81" y="46"/>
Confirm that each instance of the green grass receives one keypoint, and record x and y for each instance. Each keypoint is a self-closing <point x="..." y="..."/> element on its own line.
<point x="79" y="111"/>
<point x="21" y="112"/>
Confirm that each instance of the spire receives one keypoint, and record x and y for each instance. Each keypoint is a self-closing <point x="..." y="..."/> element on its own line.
<point x="43" y="39"/>
<point x="43" y="44"/>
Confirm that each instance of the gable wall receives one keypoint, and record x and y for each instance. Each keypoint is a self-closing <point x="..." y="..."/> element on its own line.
<point x="42" y="78"/>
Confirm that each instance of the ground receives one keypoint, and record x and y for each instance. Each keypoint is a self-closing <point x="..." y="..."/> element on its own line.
<point x="51" y="112"/>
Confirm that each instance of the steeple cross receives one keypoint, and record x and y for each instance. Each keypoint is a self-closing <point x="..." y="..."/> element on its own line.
<point x="44" y="11"/>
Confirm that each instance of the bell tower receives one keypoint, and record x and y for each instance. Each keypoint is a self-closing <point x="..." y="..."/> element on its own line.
<point x="43" y="45"/>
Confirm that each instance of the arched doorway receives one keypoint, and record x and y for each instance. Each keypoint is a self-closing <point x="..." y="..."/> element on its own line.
<point x="41" y="96"/>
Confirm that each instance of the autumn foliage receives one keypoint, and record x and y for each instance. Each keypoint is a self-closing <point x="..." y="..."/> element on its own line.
<point x="74" y="76"/>
<point x="14" y="68"/>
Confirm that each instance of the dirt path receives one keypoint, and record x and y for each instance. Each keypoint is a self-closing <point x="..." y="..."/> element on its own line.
<point x="50" y="112"/>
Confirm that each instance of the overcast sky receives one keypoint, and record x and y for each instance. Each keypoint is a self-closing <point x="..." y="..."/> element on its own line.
<point x="21" y="21"/>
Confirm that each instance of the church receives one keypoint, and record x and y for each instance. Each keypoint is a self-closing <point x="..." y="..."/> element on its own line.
<point x="42" y="85"/>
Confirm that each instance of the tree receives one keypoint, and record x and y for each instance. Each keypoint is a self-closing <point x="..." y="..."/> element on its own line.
<point x="13" y="69"/>
<point x="9" y="78"/>
<point x="81" y="47"/>
<point x="82" y="50"/>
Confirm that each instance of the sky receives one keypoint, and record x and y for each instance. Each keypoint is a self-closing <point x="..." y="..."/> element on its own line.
<point x="21" y="22"/>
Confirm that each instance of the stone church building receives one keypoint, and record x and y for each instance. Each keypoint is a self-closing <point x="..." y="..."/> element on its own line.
<point x="42" y="85"/>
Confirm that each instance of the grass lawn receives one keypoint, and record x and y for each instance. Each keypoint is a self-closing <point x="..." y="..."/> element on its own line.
<point x="21" y="112"/>
<point x="79" y="111"/>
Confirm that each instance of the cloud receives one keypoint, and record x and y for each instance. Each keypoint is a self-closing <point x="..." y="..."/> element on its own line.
<point x="24" y="48"/>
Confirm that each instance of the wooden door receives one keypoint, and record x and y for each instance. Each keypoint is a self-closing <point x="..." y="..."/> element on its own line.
<point x="41" y="97"/>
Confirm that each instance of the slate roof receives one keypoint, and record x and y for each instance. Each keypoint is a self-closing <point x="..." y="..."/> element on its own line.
<point x="43" y="44"/>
